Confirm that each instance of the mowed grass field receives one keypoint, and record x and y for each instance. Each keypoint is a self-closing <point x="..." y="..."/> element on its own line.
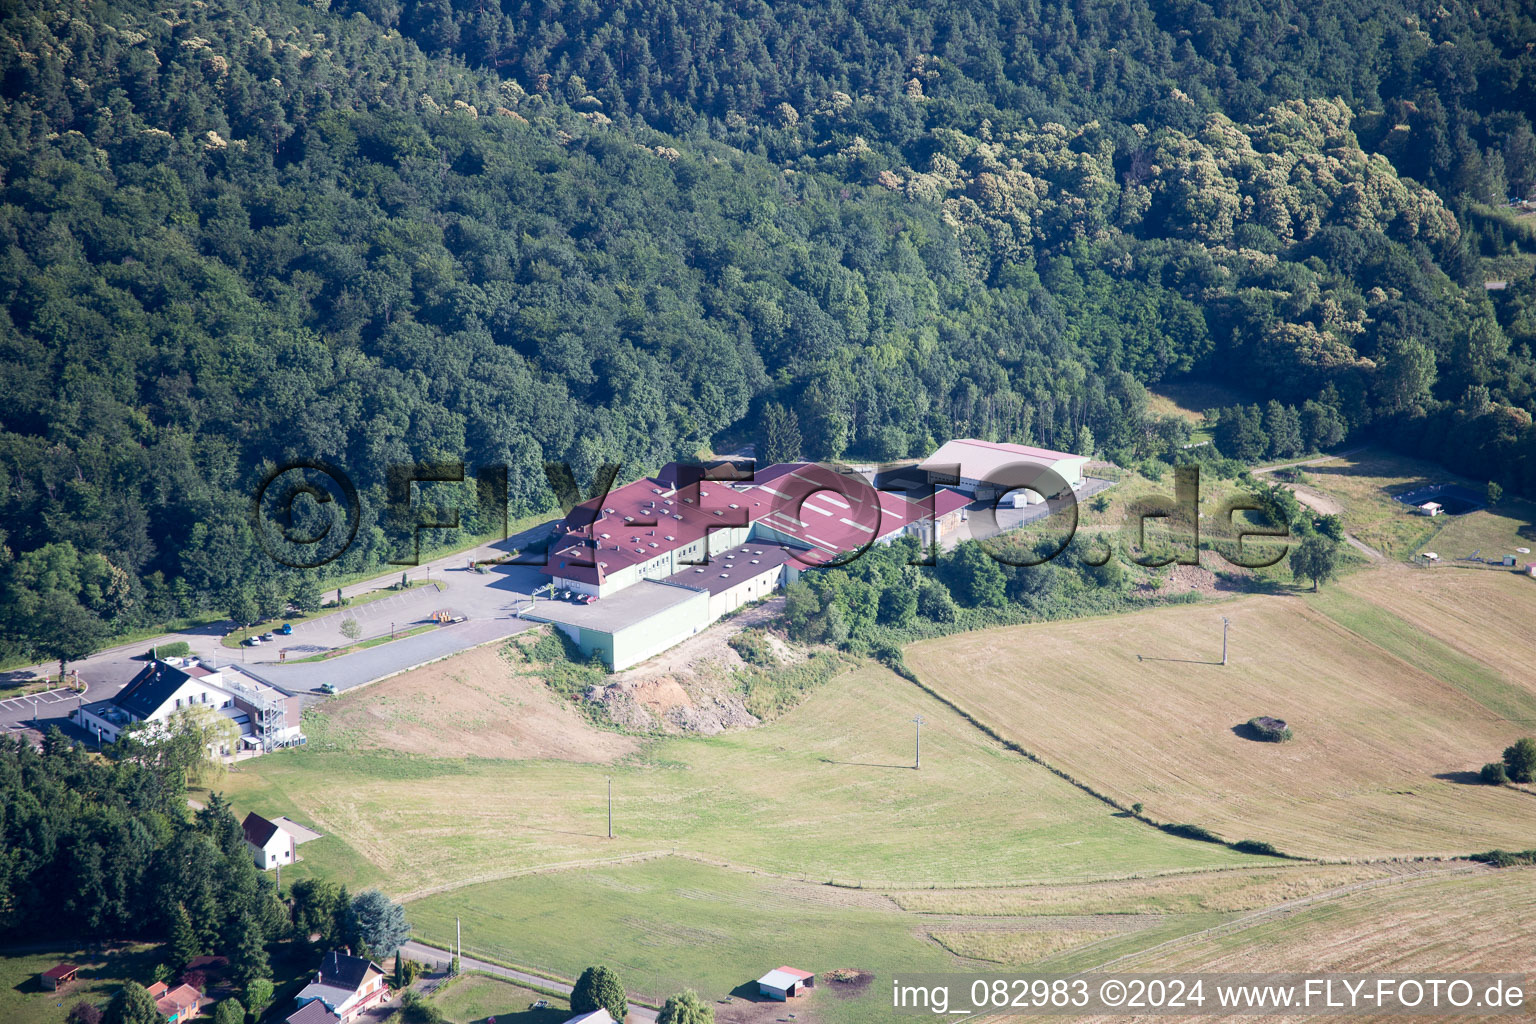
<point x="1140" y="708"/>
<point x="24" y="1001"/>
<point x="671" y="923"/>
<point x="475" y="998"/>
<point x="1365" y="485"/>
<point x="827" y="792"/>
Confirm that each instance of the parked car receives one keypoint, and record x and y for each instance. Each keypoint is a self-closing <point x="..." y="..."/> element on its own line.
<point x="327" y="687"/>
<point x="268" y="637"/>
<point x="286" y="629"/>
<point x="253" y="641"/>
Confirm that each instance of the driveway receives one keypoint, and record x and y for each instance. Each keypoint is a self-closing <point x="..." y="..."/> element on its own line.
<point x="441" y="957"/>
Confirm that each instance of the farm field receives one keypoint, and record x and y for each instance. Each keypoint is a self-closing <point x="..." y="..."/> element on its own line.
<point x="1377" y="767"/>
<point x="827" y="792"/>
<point x="1208" y="892"/>
<point x="650" y="921"/>
<point x="1476" y="630"/>
<point x="1457" y="922"/>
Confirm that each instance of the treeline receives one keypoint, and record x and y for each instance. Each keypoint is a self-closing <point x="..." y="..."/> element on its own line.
<point x="105" y="849"/>
<point x="239" y="235"/>
<point x="881" y="600"/>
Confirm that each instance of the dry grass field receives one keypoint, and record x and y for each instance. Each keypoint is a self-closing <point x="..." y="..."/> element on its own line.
<point x="1140" y="708"/>
<point x="1489" y="618"/>
<point x="826" y="791"/>
<point x="1474" y="921"/>
<point x="1209" y="892"/>
<point x="493" y="713"/>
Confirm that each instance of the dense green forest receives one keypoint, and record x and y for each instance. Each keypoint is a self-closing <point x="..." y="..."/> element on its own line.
<point x="378" y="233"/>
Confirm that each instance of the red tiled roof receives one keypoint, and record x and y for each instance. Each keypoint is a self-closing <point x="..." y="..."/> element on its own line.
<point x="644" y="520"/>
<point x="837" y="514"/>
<point x="58" y="972"/>
<point x="802" y="975"/>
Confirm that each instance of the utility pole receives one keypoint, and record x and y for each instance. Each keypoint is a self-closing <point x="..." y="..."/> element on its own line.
<point x="458" y="927"/>
<point x="917" y="760"/>
<point x="610" y="807"/>
<point x="1225" y="623"/>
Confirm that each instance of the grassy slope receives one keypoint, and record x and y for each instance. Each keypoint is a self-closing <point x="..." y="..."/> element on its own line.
<point x="826" y="791"/>
<point x="1373" y="732"/>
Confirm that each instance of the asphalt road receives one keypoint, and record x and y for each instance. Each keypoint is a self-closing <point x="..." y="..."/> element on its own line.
<point x="440" y="957"/>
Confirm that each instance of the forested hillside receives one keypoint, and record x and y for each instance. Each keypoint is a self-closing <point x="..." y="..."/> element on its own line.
<point x="373" y="233"/>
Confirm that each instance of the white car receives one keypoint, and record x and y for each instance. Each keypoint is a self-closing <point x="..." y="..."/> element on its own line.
<point x="253" y="641"/>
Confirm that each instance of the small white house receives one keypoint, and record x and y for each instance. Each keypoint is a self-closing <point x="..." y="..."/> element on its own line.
<point x="270" y="845"/>
<point x="1431" y="508"/>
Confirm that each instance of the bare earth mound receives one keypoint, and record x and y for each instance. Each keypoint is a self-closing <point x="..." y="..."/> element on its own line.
<point x="472" y="705"/>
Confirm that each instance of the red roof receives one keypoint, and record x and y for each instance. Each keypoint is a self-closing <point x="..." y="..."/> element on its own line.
<point x="182" y="997"/>
<point x="644" y="520"/>
<point x="837" y="514"/>
<point x="802" y="975"/>
<point x="59" y="972"/>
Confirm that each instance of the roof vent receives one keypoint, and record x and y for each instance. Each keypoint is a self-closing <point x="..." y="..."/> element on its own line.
<point x="755" y="561"/>
<point x="670" y="537"/>
<point x="734" y="505"/>
<point x="725" y="575"/>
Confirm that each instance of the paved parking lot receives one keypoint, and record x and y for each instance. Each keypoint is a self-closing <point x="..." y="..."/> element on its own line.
<point x="48" y="707"/>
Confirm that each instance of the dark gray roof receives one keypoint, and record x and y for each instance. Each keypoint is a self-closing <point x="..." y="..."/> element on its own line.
<point x="150" y="688"/>
<point x="313" y="1012"/>
<point x="258" y="830"/>
<point x="347" y="971"/>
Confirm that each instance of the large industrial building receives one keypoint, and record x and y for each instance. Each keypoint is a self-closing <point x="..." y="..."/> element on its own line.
<point x="989" y="469"/>
<point x="665" y="556"/>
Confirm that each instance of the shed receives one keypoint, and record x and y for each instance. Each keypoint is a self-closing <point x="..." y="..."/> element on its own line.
<point x="783" y="983"/>
<point x="1431" y="508"/>
<point x="59" y="975"/>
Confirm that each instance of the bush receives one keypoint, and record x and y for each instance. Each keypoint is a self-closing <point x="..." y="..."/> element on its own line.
<point x="416" y="1010"/>
<point x="1520" y="760"/>
<point x="84" y="1013"/>
<point x="1197" y="832"/>
<point x="1270" y="730"/>
<point x="1506" y="858"/>
<point x="1258" y="847"/>
<point x="1493" y="773"/>
<point x="754" y="648"/>
<point x="179" y="649"/>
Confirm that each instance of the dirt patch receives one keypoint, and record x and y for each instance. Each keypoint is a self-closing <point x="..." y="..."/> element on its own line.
<point x="1183" y="579"/>
<point x="846" y="982"/>
<point x="690" y="688"/>
<point x="471" y="704"/>
<point x="750" y="1010"/>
